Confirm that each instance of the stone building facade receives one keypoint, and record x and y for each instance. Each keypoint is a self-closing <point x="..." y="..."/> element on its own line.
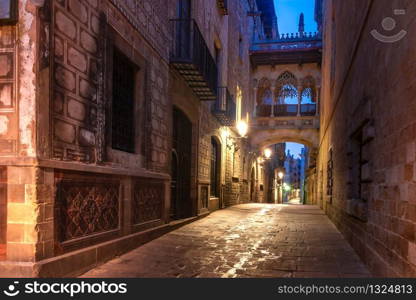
<point x="366" y="165"/>
<point x="104" y="141"/>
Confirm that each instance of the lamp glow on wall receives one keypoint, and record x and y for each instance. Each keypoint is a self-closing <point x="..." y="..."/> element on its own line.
<point x="8" y="12"/>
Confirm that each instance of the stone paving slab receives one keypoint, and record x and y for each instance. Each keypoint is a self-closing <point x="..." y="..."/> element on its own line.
<point x="249" y="240"/>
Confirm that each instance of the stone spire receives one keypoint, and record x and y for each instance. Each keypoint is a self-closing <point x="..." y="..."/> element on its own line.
<point x="301" y="24"/>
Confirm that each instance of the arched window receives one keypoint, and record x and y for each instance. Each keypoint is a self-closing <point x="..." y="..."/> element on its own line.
<point x="307" y="96"/>
<point x="287" y="92"/>
<point x="215" y="167"/>
<point x="267" y="97"/>
<point x="264" y="95"/>
<point x="308" y="90"/>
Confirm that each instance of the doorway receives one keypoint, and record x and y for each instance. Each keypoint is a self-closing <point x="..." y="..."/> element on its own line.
<point x="252" y="186"/>
<point x="181" y="206"/>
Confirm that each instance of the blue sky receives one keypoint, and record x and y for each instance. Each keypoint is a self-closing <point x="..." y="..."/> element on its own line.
<point x="294" y="148"/>
<point x="288" y="12"/>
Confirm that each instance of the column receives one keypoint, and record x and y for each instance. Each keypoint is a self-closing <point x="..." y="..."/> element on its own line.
<point x="255" y="102"/>
<point x="299" y="99"/>
<point x="30" y="214"/>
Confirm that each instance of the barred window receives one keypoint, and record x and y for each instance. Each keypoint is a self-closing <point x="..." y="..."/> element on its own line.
<point x="123" y="129"/>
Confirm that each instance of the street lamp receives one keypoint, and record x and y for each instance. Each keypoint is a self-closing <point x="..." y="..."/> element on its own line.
<point x="280" y="175"/>
<point x="268" y="153"/>
<point x="242" y="128"/>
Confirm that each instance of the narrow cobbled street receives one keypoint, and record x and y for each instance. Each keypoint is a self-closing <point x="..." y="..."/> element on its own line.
<point x="250" y="240"/>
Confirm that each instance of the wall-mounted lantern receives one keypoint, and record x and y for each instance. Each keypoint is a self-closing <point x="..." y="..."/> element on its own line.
<point x="8" y="12"/>
<point x="268" y="153"/>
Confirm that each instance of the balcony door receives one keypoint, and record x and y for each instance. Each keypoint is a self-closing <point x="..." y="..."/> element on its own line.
<point x="181" y="206"/>
<point x="183" y="28"/>
<point x="184" y="9"/>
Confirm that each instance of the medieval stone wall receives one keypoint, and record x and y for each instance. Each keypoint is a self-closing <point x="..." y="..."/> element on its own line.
<point x="368" y="89"/>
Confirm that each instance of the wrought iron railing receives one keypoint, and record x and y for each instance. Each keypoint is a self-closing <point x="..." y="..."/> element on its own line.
<point x="190" y="51"/>
<point x="225" y="107"/>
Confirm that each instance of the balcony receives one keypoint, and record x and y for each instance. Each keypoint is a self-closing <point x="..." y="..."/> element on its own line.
<point x="285" y="110"/>
<point x="225" y="108"/>
<point x="223" y="6"/>
<point x="189" y="54"/>
<point x="297" y="122"/>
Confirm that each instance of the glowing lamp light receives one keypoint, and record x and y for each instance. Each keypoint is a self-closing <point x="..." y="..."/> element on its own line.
<point x="242" y="128"/>
<point x="267" y="153"/>
<point x="281" y="175"/>
<point x="286" y="187"/>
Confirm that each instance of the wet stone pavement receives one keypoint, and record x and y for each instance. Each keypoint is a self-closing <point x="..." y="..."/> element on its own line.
<point x="250" y="240"/>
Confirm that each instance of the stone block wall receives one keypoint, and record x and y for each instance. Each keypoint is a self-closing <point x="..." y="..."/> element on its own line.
<point x="81" y="42"/>
<point x="53" y="101"/>
<point x="368" y="86"/>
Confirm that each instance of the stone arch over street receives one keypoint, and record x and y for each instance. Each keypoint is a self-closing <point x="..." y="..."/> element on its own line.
<point x="265" y="138"/>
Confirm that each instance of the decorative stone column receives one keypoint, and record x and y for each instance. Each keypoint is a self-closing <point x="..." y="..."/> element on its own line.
<point x="299" y="99"/>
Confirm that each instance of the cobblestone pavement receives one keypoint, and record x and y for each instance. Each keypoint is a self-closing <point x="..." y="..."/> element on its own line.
<point x="250" y="240"/>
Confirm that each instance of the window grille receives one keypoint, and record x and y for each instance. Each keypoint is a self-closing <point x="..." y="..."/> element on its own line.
<point x="124" y="73"/>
